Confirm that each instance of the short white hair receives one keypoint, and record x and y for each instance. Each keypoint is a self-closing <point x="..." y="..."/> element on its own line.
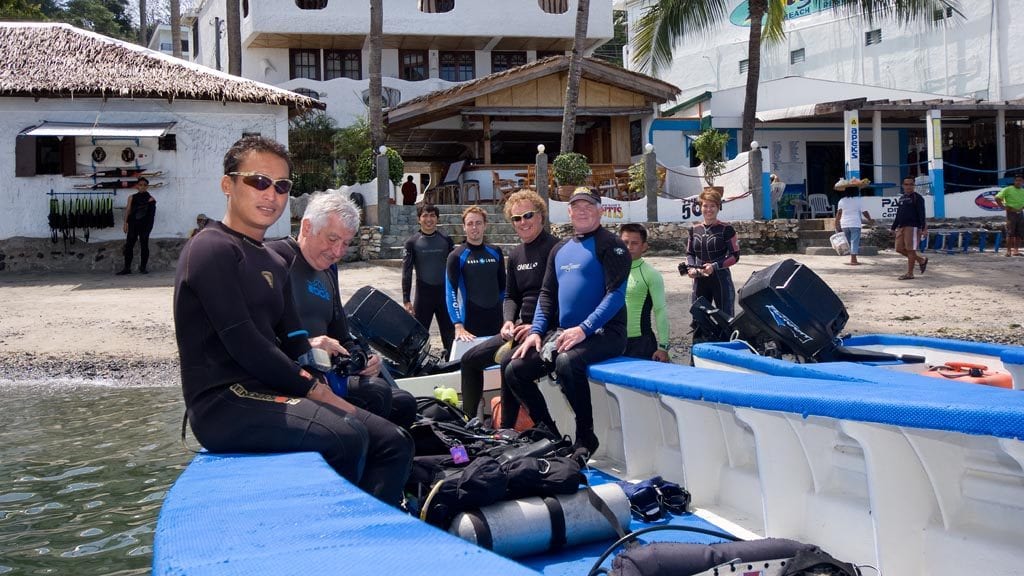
<point x="323" y="204"/>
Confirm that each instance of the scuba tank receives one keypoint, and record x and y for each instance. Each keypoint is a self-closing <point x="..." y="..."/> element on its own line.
<point x="531" y="525"/>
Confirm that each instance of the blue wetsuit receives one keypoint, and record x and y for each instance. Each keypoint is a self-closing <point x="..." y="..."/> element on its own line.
<point x="476" y="276"/>
<point x="584" y="286"/>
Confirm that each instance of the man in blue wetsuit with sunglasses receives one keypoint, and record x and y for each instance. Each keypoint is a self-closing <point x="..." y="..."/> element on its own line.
<point x="238" y="340"/>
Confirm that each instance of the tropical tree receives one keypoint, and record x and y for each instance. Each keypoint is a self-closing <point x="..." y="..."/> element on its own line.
<point x="376" y="112"/>
<point x="233" y="22"/>
<point x="175" y="6"/>
<point x="21" y="10"/>
<point x="666" y="22"/>
<point x="572" y="88"/>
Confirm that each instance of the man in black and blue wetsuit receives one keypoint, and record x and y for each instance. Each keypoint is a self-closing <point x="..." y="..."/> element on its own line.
<point x="474" y="283"/>
<point x="328" y="225"/>
<point x="426" y="252"/>
<point x="583" y="295"/>
<point x="527" y="263"/>
<point x="234" y="318"/>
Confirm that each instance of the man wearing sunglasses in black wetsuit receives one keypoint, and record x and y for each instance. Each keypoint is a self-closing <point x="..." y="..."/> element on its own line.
<point x="238" y="337"/>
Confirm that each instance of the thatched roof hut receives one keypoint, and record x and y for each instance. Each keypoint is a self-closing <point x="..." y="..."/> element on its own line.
<point x="61" y="61"/>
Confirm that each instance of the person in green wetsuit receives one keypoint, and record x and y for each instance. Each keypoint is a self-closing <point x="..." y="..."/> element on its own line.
<point x="645" y="293"/>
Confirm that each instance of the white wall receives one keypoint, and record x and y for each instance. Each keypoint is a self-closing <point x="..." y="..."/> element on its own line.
<point x="966" y="59"/>
<point x="191" y="182"/>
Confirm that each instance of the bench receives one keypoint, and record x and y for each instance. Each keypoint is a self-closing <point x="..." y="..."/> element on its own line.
<point x="954" y="241"/>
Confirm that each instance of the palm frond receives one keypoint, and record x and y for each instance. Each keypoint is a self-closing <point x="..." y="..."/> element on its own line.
<point x="902" y="11"/>
<point x="668" y="21"/>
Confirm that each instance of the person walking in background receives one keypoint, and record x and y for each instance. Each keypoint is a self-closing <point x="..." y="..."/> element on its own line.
<point x="582" y="305"/>
<point x="712" y="247"/>
<point x="239" y="337"/>
<point x="527" y="263"/>
<point x="426" y="253"/>
<point x="848" y="220"/>
<point x="139" y="215"/>
<point x="1011" y="199"/>
<point x="409" y="192"/>
<point x="645" y="293"/>
<point x="474" y="283"/>
<point x="909" y="226"/>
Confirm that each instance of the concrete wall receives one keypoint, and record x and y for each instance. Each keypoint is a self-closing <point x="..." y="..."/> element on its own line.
<point x="191" y="179"/>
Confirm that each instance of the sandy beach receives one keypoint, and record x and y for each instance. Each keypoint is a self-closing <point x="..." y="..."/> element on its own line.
<point x="121" y="327"/>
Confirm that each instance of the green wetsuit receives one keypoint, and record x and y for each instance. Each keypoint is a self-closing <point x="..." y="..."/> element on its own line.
<point x="645" y="292"/>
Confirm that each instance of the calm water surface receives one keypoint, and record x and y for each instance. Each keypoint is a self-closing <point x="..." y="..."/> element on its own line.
<point x="84" y="467"/>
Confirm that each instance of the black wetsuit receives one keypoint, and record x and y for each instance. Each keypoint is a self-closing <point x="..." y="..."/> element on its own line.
<point x="140" y="224"/>
<point x="427" y="254"/>
<point x="584" y="286"/>
<point x="476" y="276"/>
<point x="526" y="266"/>
<point x="318" y="305"/>
<point x="232" y="306"/>
<point x="716" y="245"/>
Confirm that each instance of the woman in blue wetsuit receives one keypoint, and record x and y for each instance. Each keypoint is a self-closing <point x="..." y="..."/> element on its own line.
<point x="710" y="250"/>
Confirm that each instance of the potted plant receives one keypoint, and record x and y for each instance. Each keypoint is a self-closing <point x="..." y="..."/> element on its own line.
<point x="571" y="170"/>
<point x="709" y="147"/>
<point x="638" y="178"/>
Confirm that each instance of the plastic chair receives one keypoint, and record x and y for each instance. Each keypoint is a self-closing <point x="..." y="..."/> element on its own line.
<point x="820" y="206"/>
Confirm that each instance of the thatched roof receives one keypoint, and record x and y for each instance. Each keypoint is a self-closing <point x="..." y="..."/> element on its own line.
<point x="61" y="61"/>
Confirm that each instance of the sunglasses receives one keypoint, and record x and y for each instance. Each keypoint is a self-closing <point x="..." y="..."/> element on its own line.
<point x="524" y="216"/>
<point x="261" y="182"/>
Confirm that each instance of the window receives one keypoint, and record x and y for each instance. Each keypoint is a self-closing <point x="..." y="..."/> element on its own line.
<point x="457" y="66"/>
<point x="167" y="142"/>
<point x="796" y="56"/>
<point x="304" y="64"/>
<point x="184" y="45"/>
<point x="941" y="14"/>
<point x="554" y="6"/>
<point x="412" y="65"/>
<point x="501" y="61"/>
<point x="873" y="37"/>
<point x="166" y="46"/>
<point x="311" y="4"/>
<point x="343" y="64"/>
<point x="195" y="34"/>
<point x="308" y="93"/>
<point x="43" y="155"/>
<point x="245" y="8"/>
<point x="542" y="54"/>
<point x="436" y="6"/>
<point x="744" y="64"/>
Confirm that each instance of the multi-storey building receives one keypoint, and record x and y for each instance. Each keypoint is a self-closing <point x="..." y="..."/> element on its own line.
<point x="162" y="41"/>
<point x="321" y="47"/>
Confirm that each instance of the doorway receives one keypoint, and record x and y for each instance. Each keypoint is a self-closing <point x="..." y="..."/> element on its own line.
<point x="826" y="164"/>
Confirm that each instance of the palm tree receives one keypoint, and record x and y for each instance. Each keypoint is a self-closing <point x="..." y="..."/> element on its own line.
<point x="176" y="28"/>
<point x="142" y="22"/>
<point x="572" y="88"/>
<point x="667" y="21"/>
<point x="233" y="22"/>
<point x="376" y="40"/>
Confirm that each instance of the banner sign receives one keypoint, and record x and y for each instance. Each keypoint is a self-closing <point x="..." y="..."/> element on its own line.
<point x="851" y="139"/>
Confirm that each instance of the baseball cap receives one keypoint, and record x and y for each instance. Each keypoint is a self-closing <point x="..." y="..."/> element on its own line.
<point x="584" y="193"/>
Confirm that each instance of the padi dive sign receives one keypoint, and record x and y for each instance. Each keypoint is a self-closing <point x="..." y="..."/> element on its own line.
<point x="740" y="16"/>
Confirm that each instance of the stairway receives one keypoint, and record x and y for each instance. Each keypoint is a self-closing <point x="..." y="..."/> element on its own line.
<point x="499" y="231"/>
<point x="814" y="238"/>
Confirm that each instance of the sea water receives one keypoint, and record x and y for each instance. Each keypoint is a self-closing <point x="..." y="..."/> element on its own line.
<point x="84" y="467"/>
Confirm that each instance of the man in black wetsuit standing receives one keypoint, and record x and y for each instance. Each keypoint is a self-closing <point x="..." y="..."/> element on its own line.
<point x="426" y="252"/>
<point x="583" y="297"/>
<point x="328" y="225"/>
<point x="232" y="308"/>
<point x="526" y="265"/>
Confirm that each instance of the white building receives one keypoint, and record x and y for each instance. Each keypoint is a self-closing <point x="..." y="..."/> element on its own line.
<point x="976" y="54"/>
<point x="162" y="40"/>
<point x="74" y="103"/>
<point x="321" y="47"/>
